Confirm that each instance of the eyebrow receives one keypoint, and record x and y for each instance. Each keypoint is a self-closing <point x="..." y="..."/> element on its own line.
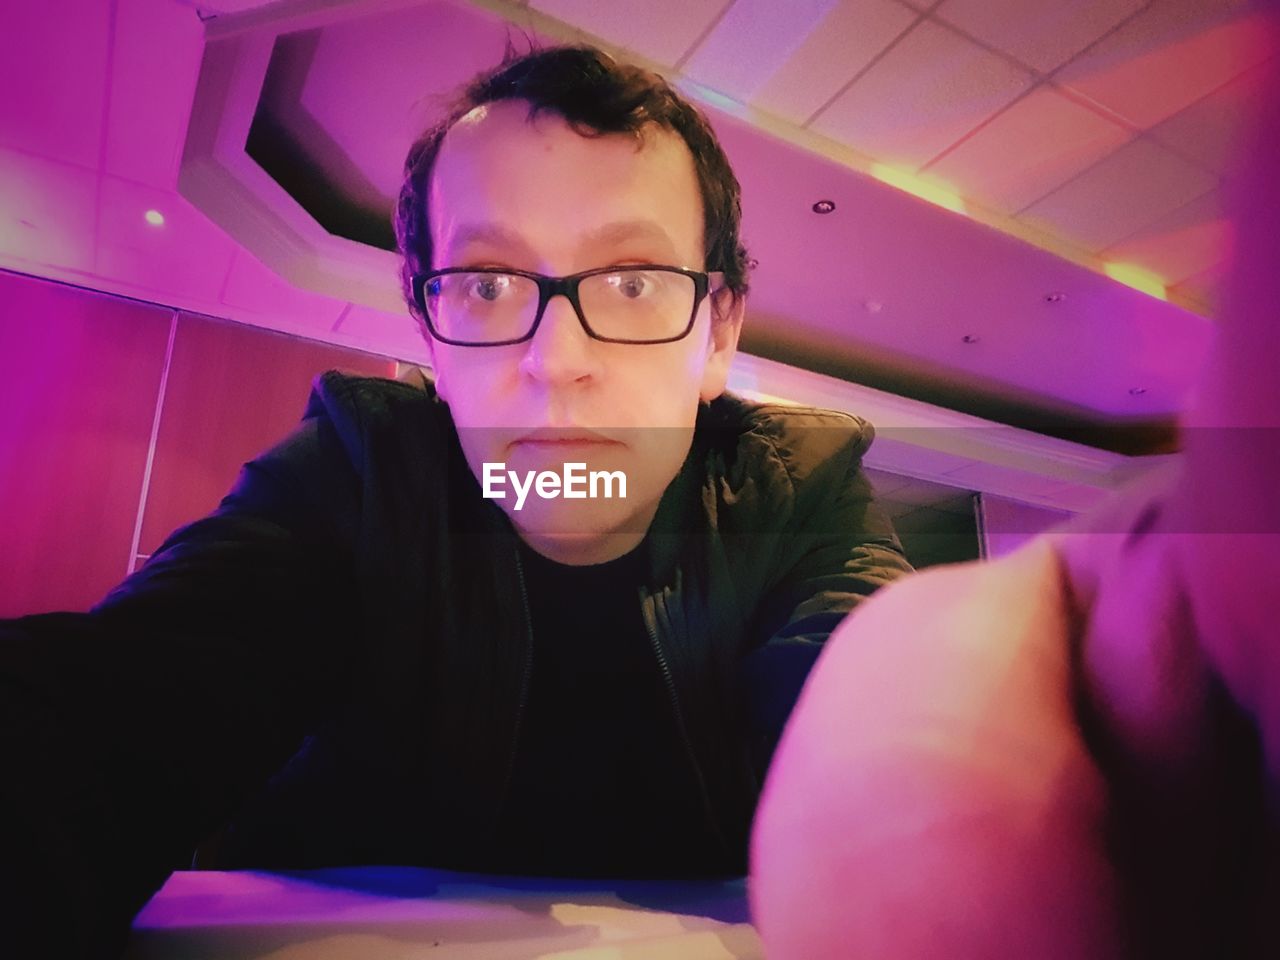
<point x="618" y="231"/>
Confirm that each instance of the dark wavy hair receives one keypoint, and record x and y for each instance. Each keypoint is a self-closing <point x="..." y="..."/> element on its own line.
<point x="596" y="95"/>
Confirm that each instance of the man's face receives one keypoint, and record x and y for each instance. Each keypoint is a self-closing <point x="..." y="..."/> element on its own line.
<point x="510" y="192"/>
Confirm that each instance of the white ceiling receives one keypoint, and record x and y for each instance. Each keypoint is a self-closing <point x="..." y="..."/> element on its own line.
<point x="1076" y="135"/>
<point x="1106" y="124"/>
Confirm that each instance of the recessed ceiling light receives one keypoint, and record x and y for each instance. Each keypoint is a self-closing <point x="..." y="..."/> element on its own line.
<point x="824" y="206"/>
<point x="969" y="338"/>
<point x="154" y="217"/>
<point x="1137" y="391"/>
<point x="1057" y="296"/>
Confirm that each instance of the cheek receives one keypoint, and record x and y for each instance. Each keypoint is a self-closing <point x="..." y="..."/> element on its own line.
<point x="662" y="392"/>
<point x="659" y="455"/>
<point x="471" y="383"/>
<point x="468" y="386"/>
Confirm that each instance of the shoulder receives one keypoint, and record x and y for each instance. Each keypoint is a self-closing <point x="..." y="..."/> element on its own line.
<point x="346" y="396"/>
<point x="365" y="411"/>
<point x="794" y="446"/>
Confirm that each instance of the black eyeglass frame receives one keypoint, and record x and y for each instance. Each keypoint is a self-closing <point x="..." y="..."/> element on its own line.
<point x="549" y="287"/>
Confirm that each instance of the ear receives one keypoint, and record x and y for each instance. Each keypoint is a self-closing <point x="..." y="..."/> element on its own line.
<point x="727" y="311"/>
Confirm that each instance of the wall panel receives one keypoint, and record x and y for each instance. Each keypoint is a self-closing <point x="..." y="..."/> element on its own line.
<point x="81" y="373"/>
<point x="233" y="391"/>
<point x="1008" y="524"/>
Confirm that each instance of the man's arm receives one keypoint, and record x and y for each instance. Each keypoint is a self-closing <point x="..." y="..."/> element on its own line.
<point x="129" y="733"/>
<point x="1071" y="752"/>
<point x="841" y="549"/>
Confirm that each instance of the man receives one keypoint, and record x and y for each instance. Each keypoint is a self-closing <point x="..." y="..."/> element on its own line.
<point x="366" y="654"/>
<point x="1079" y="754"/>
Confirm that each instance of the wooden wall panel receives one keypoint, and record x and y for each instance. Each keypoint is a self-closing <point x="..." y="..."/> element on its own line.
<point x="233" y="391"/>
<point x="1008" y="524"/>
<point x="81" y="374"/>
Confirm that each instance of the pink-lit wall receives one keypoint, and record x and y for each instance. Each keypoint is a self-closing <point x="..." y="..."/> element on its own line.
<point x="98" y="462"/>
<point x="1007" y="524"/>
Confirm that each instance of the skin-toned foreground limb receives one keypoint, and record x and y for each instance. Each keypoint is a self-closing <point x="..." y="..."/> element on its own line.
<point x="1073" y="751"/>
<point x="931" y="796"/>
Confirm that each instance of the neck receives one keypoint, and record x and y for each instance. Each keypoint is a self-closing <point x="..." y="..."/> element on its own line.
<point x="580" y="550"/>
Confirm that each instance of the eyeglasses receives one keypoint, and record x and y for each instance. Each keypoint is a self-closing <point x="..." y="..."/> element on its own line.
<point x="493" y="308"/>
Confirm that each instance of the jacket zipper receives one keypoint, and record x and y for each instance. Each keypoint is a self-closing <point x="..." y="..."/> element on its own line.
<point x="526" y="671"/>
<point x="650" y="622"/>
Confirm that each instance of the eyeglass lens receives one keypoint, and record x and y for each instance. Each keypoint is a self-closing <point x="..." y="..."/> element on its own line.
<point x="487" y="306"/>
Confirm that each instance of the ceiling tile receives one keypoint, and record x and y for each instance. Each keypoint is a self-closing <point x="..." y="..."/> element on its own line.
<point x="1188" y="241"/>
<point x="261" y="296"/>
<point x="186" y="256"/>
<point x="158" y="45"/>
<point x="751" y="41"/>
<point x="1169" y="56"/>
<point x="662" y="30"/>
<point x="1131" y="188"/>
<point x="1043" y="34"/>
<point x="1208" y="287"/>
<point x="1209" y="130"/>
<point x="46" y="211"/>
<point x="1053" y="139"/>
<point x="53" y="71"/>
<point x="931" y="89"/>
<point x="833" y="53"/>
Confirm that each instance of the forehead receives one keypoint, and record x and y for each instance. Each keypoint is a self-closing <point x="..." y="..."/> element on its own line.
<point x="503" y="177"/>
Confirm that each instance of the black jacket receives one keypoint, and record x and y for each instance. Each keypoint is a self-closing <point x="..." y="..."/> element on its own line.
<point x="341" y="649"/>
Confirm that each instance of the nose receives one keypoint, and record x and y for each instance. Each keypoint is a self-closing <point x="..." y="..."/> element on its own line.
<point x="560" y="351"/>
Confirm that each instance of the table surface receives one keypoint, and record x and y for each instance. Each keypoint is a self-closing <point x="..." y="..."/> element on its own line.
<point x="372" y="913"/>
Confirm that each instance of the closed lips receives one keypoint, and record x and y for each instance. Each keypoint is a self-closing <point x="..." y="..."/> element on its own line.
<point x="558" y="438"/>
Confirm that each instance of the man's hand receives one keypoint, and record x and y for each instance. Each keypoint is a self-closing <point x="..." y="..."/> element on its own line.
<point x="1073" y="751"/>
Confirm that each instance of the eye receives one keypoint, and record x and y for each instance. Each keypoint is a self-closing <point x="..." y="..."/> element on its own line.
<point x="633" y="284"/>
<point x="488" y="286"/>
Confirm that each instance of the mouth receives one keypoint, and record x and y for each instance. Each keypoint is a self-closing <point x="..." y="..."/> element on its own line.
<point x="556" y="438"/>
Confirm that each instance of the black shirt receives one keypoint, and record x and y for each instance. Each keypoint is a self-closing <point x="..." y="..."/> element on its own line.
<point x="603" y="783"/>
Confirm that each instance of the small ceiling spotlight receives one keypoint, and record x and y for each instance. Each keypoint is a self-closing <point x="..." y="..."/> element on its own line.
<point x="824" y="206"/>
<point x="154" y="217"/>
<point x="969" y="338"/>
<point x="1057" y="296"/>
<point x="1137" y="391"/>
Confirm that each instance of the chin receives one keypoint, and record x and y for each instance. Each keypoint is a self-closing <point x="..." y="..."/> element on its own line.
<point x="577" y="521"/>
<point x="581" y="533"/>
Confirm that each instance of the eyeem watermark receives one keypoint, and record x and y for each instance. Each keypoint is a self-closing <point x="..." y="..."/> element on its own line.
<point x="574" y="484"/>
